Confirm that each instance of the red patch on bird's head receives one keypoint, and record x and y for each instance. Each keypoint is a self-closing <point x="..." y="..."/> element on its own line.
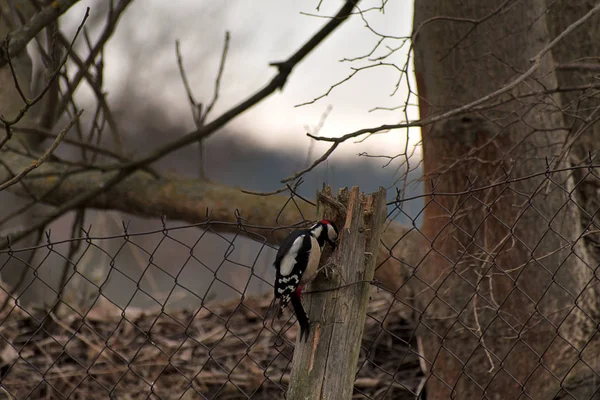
<point x="326" y="222"/>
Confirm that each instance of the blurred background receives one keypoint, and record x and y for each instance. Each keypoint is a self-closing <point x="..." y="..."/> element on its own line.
<point x="256" y="150"/>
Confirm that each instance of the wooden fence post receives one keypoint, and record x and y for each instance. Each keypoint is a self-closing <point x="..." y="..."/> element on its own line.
<point x="325" y="366"/>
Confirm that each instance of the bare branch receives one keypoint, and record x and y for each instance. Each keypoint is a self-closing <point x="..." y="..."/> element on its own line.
<point x="186" y="84"/>
<point x="285" y="68"/>
<point x="108" y="181"/>
<point x="44" y="156"/>
<point x="579" y="66"/>
<point x="13" y="72"/>
<point x="19" y="39"/>
<point x="354" y="72"/>
<point x="428" y="121"/>
<point x="31" y="103"/>
<point x="83" y="145"/>
<point x="197" y="113"/>
<point x="111" y="23"/>
<point x="313" y="165"/>
<point x="272" y="193"/>
<point x="217" y="80"/>
<point x="95" y="85"/>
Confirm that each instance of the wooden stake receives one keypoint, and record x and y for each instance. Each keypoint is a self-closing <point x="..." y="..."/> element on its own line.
<point x="325" y="366"/>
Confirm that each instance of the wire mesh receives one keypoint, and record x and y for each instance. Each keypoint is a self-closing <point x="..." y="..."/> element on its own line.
<point x="184" y="311"/>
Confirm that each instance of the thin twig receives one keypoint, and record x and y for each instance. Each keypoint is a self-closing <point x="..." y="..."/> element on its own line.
<point x="31" y="103"/>
<point x="346" y="79"/>
<point x="14" y="73"/>
<point x="44" y="156"/>
<point x="313" y="165"/>
<point x="274" y="192"/>
<point x="536" y="60"/>
<point x="112" y="19"/>
<point x="278" y="82"/>
<point x="87" y="146"/>
<point x="217" y="80"/>
<point x="19" y="39"/>
<point x="96" y="86"/>
<point x="198" y="115"/>
<point x="507" y="181"/>
<point x="186" y="85"/>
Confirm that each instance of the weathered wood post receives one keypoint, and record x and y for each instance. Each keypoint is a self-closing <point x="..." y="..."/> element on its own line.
<point x="336" y="301"/>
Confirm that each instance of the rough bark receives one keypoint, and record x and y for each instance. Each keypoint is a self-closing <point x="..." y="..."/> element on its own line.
<point x="507" y="263"/>
<point x="580" y="111"/>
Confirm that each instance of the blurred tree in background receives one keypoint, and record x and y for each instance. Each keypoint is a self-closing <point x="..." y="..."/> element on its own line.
<point x="506" y="90"/>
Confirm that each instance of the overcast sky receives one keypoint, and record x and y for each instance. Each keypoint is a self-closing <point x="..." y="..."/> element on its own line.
<point x="141" y="55"/>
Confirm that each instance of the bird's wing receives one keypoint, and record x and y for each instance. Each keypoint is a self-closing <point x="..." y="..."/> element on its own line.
<point x="287" y="242"/>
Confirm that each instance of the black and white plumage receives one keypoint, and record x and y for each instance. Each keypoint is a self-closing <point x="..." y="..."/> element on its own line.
<point x="297" y="263"/>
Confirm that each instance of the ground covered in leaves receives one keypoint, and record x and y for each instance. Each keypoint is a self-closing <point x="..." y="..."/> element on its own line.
<point x="223" y="351"/>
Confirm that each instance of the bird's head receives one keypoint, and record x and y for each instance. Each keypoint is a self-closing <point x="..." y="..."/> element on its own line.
<point x="325" y="231"/>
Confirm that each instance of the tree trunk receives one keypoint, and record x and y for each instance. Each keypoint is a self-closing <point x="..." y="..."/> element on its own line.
<point x="508" y="263"/>
<point x="580" y="111"/>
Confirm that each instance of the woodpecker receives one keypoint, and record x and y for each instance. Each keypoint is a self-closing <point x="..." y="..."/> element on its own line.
<point x="297" y="263"/>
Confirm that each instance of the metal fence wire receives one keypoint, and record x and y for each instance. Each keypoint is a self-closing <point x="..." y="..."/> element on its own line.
<point x="183" y="312"/>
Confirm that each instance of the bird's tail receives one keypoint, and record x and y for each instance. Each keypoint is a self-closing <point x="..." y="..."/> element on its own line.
<point x="301" y="316"/>
<point x="279" y="310"/>
<point x="283" y="302"/>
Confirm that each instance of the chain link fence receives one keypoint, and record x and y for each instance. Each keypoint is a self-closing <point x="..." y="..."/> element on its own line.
<point x="502" y="286"/>
<point x="184" y="312"/>
<point x="180" y="312"/>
